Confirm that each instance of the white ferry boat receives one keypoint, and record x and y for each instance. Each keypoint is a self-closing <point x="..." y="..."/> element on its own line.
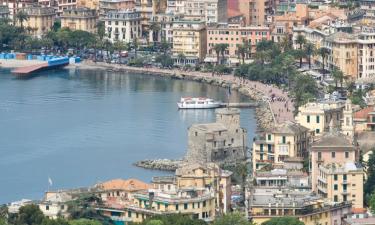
<point x="198" y="103"/>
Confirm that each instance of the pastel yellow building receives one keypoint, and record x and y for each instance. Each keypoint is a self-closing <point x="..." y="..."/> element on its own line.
<point x="341" y="182"/>
<point x="40" y="19"/>
<point x="190" y="39"/>
<point x="344" y="50"/>
<point x="199" y="191"/>
<point x="91" y="4"/>
<point x="79" y="19"/>
<point x="319" y="116"/>
<point x="286" y="140"/>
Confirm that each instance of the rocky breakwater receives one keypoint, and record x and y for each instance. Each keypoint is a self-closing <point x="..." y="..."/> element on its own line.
<point x="159" y="164"/>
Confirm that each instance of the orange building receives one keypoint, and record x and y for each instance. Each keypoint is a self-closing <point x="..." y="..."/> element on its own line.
<point x="234" y="35"/>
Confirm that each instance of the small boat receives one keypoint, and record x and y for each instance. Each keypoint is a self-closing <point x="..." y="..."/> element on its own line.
<point x="197" y="103"/>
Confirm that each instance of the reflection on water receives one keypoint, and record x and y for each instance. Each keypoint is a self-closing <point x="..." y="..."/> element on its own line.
<point x="81" y="127"/>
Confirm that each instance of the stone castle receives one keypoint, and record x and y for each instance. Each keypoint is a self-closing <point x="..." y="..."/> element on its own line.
<point x="222" y="142"/>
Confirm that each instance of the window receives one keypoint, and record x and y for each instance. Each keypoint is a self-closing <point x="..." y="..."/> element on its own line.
<point x="346" y="154"/>
<point x="317" y="131"/>
<point x="261" y="147"/>
<point x="185" y="206"/>
<point x="47" y="207"/>
<point x="335" y="198"/>
<point x="176" y="207"/>
<point x="319" y="155"/>
<point x="335" y="177"/>
<point x="284" y="139"/>
<point x="269" y="137"/>
<point x="345" y="187"/>
<point x="333" y="154"/>
<point x="129" y="214"/>
<point x="344" y="198"/>
<point x="196" y="133"/>
<point x="317" y="119"/>
<point x="344" y="177"/>
<point x="193" y="205"/>
<point x="204" y="203"/>
<point x="308" y="119"/>
<point x="335" y="187"/>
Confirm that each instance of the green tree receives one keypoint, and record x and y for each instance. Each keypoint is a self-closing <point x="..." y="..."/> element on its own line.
<point x="223" y="49"/>
<point x="283" y="221"/>
<point x="29" y="215"/>
<point x="301" y="40"/>
<point x="338" y="76"/>
<point x="175" y="219"/>
<point x="323" y="52"/>
<point x="21" y="17"/>
<point x="241" y="51"/>
<point x="181" y="57"/>
<point x="369" y="186"/>
<point x="232" y="219"/>
<point x="304" y="88"/>
<point x="155" y="222"/>
<point x="309" y="52"/>
<point x="217" y="49"/>
<point x="84" y="222"/>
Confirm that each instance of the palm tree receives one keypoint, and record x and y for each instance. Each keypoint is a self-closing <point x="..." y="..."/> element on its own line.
<point x="223" y="48"/>
<point x="323" y="52"/>
<point x="241" y="50"/>
<point x="181" y="57"/>
<point x="285" y="43"/>
<point x="135" y="46"/>
<point x="21" y="17"/>
<point x="217" y="49"/>
<point x="338" y="76"/>
<point x="309" y="51"/>
<point x="301" y="40"/>
<point x="248" y="48"/>
<point x="155" y="28"/>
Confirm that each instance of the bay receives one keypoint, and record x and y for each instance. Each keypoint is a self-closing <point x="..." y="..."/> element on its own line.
<point x="80" y="127"/>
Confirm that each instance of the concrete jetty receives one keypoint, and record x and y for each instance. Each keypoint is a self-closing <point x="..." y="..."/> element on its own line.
<point x="239" y="104"/>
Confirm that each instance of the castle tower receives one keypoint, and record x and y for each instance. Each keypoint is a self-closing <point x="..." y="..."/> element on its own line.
<point x="347" y="125"/>
<point x="229" y="117"/>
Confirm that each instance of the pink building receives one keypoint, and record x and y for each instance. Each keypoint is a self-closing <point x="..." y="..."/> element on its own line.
<point x="233" y="35"/>
<point x="333" y="147"/>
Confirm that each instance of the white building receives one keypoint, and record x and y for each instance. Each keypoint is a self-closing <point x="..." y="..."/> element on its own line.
<point x="123" y="25"/>
<point x="54" y="204"/>
<point x="211" y="11"/>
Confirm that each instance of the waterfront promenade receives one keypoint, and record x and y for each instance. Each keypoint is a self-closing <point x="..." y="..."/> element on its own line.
<point x="280" y="103"/>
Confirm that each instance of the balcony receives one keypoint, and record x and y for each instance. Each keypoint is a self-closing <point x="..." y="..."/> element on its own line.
<point x="322" y="180"/>
<point x="322" y="189"/>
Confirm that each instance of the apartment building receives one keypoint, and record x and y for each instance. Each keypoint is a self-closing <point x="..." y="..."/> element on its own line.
<point x="189" y="39"/>
<point x="120" y="190"/>
<point x="234" y="34"/>
<point x="210" y="11"/>
<point x="65" y="4"/>
<point x="4" y="12"/>
<point x="332" y="147"/>
<point x="47" y="3"/>
<point x="123" y="25"/>
<point x="366" y="54"/>
<point x="111" y="5"/>
<point x="163" y="22"/>
<point x="342" y="182"/>
<point x="319" y="116"/>
<point x="15" y="5"/>
<point x="256" y="12"/>
<point x="91" y="4"/>
<point x="41" y="19"/>
<point x="79" y="19"/>
<point x="282" y="178"/>
<point x="199" y="191"/>
<point x="286" y="140"/>
<point x="268" y="203"/>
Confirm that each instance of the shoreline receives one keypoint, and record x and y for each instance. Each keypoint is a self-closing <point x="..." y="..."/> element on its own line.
<point x="264" y="115"/>
<point x="266" y="112"/>
<point x="16" y="63"/>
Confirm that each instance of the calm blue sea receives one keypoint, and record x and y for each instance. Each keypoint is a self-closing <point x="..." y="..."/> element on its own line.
<point x="80" y="127"/>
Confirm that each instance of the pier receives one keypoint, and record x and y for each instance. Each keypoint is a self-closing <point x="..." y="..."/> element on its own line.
<point x="239" y="105"/>
<point x="50" y="64"/>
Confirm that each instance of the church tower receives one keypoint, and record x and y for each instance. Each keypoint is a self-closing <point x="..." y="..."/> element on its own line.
<point x="347" y="125"/>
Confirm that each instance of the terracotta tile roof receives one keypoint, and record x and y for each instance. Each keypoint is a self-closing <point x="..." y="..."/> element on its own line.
<point x="363" y="113"/>
<point x="359" y="210"/>
<point x="127" y="185"/>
